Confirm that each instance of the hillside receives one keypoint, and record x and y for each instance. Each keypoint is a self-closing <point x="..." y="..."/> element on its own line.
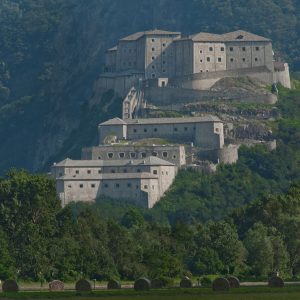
<point x="51" y="53"/>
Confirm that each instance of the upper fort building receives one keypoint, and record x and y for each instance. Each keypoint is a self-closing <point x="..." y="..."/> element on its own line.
<point x="159" y="53"/>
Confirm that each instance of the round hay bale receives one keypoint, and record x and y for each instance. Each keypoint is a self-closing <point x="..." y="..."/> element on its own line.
<point x="83" y="285"/>
<point x="157" y="283"/>
<point x="186" y="282"/>
<point x="56" y="285"/>
<point x="113" y="285"/>
<point x="220" y="284"/>
<point x="233" y="282"/>
<point x="10" y="285"/>
<point x="142" y="284"/>
<point x="276" y="281"/>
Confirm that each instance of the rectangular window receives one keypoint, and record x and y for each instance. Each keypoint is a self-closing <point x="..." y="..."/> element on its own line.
<point x="138" y="170"/>
<point x="153" y="40"/>
<point x="231" y="49"/>
<point x="154" y="153"/>
<point x="99" y="171"/>
<point x="256" y="59"/>
<point x="244" y="59"/>
<point x="77" y="171"/>
<point x="219" y="59"/>
<point x="93" y="185"/>
<point x="110" y="155"/>
<point x="257" y="48"/>
<point x="175" y="129"/>
<point x="145" y="186"/>
<point x="129" y="185"/>
<point x="113" y="171"/>
<point x="117" y="185"/>
<point x="89" y="171"/>
<point x="231" y="59"/>
<point x="125" y="171"/>
<point x="121" y="154"/>
<point x="144" y="154"/>
<point x="165" y="154"/>
<point x="244" y="49"/>
<point x="210" y="48"/>
<point x="208" y="59"/>
<point x="81" y="186"/>
<point x="153" y="49"/>
<point x="222" y="49"/>
<point x="134" y="130"/>
<point x="164" y="44"/>
<point x="145" y="130"/>
<point x="106" y="185"/>
<point x="132" y="155"/>
<point x="155" y="172"/>
<point x="185" y="129"/>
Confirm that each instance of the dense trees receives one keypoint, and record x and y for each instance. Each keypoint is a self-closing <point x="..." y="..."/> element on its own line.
<point x="40" y="240"/>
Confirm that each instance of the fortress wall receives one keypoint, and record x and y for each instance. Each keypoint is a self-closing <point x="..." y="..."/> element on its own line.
<point x="226" y="155"/>
<point x="168" y="96"/>
<point x="283" y="77"/>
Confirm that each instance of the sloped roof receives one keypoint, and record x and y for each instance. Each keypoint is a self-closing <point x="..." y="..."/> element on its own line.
<point x="115" y="48"/>
<point x="234" y="36"/>
<point x="203" y="119"/>
<point x="114" y="121"/>
<point x="241" y="35"/>
<point x="149" y="161"/>
<point x="138" y="35"/>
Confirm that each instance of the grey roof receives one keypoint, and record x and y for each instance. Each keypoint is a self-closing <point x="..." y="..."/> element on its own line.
<point x="146" y="121"/>
<point x="234" y="36"/>
<point x="241" y="35"/>
<point x="203" y="119"/>
<point x="114" y="121"/>
<point x="108" y="176"/>
<point x="149" y="161"/>
<point x="138" y="35"/>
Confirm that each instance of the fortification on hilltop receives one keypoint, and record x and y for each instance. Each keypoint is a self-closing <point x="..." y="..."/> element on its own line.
<point x="194" y="62"/>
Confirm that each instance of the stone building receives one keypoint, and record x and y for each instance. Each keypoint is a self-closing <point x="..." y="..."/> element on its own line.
<point x="174" y="154"/>
<point x="159" y="54"/>
<point x="205" y="132"/>
<point x="140" y="181"/>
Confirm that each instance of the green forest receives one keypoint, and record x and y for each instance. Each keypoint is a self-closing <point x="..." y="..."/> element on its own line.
<point x="242" y="220"/>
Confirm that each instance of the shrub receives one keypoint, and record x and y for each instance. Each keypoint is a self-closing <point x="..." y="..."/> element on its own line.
<point x="157" y="283"/>
<point x="10" y="285"/>
<point x="221" y="284"/>
<point x="205" y="282"/>
<point x="186" y="282"/>
<point x="56" y="285"/>
<point x="83" y="285"/>
<point x="233" y="281"/>
<point x="142" y="284"/>
<point x="113" y="285"/>
<point x="276" y="281"/>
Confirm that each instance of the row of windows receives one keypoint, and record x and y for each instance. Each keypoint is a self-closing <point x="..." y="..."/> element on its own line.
<point x="156" y="130"/>
<point x="244" y="49"/>
<point x="117" y="185"/>
<point x="208" y="59"/>
<point x="243" y="59"/>
<point x="134" y="154"/>
<point x="129" y="185"/>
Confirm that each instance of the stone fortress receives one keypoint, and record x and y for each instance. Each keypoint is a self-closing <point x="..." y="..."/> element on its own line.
<point x="137" y="157"/>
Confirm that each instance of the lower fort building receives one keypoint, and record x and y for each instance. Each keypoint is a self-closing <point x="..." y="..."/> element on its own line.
<point x="141" y="181"/>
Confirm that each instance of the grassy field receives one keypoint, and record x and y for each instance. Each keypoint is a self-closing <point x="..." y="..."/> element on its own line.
<point x="243" y="293"/>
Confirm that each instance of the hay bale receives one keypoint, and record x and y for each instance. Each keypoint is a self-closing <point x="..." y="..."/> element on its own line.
<point x="142" y="284"/>
<point x="83" y="285"/>
<point x="186" y="282"/>
<point x="113" y="285"/>
<point x="233" y="282"/>
<point x="276" y="281"/>
<point x="56" y="285"/>
<point x="220" y="284"/>
<point x="157" y="283"/>
<point x="10" y="285"/>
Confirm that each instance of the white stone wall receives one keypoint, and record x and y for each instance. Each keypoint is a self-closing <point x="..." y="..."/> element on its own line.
<point x="209" y="57"/>
<point x="209" y="135"/>
<point x="159" y="56"/>
<point x="248" y="55"/>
